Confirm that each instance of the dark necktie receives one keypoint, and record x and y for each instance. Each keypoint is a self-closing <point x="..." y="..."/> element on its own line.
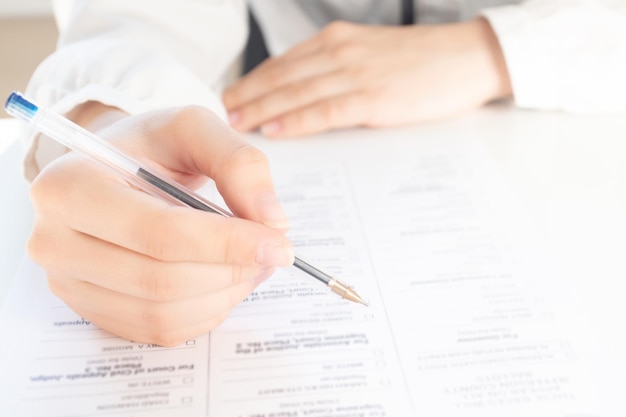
<point x="256" y="49"/>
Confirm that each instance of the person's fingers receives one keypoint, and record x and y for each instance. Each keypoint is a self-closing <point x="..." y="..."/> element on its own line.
<point x="159" y="316"/>
<point x="158" y="319"/>
<point x="146" y="334"/>
<point x="318" y="55"/>
<point x="98" y="205"/>
<point x="347" y="110"/>
<point x="293" y="96"/>
<point x="274" y="74"/>
<point x="117" y="269"/>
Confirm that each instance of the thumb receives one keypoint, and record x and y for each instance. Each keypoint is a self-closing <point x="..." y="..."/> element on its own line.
<point x="192" y="142"/>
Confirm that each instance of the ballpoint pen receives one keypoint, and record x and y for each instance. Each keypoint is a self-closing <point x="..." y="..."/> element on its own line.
<point x="78" y="139"/>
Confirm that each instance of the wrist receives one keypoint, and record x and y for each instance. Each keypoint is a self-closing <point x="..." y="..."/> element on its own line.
<point x="93" y="115"/>
<point x="490" y="59"/>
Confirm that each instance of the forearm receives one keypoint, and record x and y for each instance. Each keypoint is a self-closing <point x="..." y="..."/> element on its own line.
<point x="490" y="58"/>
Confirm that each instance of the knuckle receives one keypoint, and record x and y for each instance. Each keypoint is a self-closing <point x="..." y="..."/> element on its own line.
<point x="296" y="121"/>
<point x="238" y="274"/>
<point x="38" y="191"/>
<point x="243" y="158"/>
<point x="267" y="63"/>
<point x="234" y="245"/>
<point x="190" y="113"/>
<point x="336" y="30"/>
<point x="157" y="248"/>
<point x="46" y="190"/>
<point x="57" y="287"/>
<point x="157" y="241"/>
<point x="158" y="317"/>
<point x="360" y="74"/>
<point x="255" y="112"/>
<point x="245" y="155"/>
<point x="303" y="92"/>
<point x="276" y="74"/>
<point x="330" y="111"/>
<point x="182" y="119"/>
<point x="170" y="338"/>
<point x="157" y="284"/>
<point x="39" y="247"/>
<point x="36" y="247"/>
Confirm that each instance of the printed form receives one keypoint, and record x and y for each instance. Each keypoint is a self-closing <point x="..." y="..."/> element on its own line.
<point x="467" y="315"/>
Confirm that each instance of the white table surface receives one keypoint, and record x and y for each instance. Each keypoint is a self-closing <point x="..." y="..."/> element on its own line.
<point x="16" y="213"/>
<point x="568" y="172"/>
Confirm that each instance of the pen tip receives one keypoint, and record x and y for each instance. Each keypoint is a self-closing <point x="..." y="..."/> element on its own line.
<point x="354" y="297"/>
<point x="346" y="292"/>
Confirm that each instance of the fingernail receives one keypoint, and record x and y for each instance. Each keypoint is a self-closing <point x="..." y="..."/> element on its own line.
<point x="234" y="118"/>
<point x="275" y="254"/>
<point x="264" y="275"/>
<point x="270" y="211"/>
<point x="271" y="128"/>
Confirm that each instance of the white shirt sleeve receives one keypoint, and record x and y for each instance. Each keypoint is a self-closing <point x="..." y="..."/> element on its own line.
<point x="565" y="55"/>
<point x="136" y="55"/>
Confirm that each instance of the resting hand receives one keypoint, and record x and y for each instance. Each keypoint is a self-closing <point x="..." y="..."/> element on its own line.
<point x="139" y="267"/>
<point x="356" y="75"/>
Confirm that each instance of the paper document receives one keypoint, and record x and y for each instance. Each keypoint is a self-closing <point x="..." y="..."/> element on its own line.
<point x="467" y="315"/>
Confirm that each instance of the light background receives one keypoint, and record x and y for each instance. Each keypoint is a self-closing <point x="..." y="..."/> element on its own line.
<point x="27" y="35"/>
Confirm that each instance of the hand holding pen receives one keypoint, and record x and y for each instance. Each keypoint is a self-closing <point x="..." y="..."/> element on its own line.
<point x="141" y="267"/>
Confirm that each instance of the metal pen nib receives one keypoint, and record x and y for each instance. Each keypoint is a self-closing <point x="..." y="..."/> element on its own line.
<point x="338" y="287"/>
<point x="345" y="291"/>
